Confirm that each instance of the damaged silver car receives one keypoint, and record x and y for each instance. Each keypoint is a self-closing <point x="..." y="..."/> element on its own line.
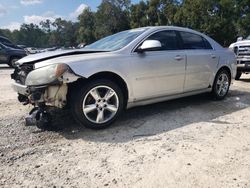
<point x="130" y="68"/>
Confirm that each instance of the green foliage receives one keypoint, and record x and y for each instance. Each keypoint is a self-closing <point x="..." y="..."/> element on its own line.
<point x="111" y="17"/>
<point x="138" y="17"/>
<point x="213" y="17"/>
<point x="223" y="20"/>
<point x="243" y="21"/>
<point x="86" y="27"/>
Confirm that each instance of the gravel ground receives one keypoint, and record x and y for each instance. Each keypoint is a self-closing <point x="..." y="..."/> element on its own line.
<point x="190" y="142"/>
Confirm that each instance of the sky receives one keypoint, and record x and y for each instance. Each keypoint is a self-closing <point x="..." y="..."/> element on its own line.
<point x="15" y="12"/>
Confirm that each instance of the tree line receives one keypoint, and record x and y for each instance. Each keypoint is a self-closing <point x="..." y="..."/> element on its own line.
<point x="223" y="20"/>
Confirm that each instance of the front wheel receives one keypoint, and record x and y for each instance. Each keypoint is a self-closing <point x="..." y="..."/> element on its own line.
<point x="97" y="104"/>
<point x="221" y="85"/>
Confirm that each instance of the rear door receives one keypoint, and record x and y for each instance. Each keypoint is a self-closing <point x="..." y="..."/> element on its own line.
<point x="201" y="61"/>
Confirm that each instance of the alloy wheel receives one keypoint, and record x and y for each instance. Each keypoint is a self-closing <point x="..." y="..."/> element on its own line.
<point x="222" y="84"/>
<point x="100" y="104"/>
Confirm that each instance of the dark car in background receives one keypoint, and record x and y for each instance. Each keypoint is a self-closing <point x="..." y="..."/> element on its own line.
<point x="5" y="41"/>
<point x="9" y="52"/>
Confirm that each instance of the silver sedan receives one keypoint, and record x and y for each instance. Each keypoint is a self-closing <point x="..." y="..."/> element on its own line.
<point x="131" y="68"/>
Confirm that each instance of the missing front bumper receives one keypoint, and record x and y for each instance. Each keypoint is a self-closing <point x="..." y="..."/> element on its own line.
<point x="55" y="95"/>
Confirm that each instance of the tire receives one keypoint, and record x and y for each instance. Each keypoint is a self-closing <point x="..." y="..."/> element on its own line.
<point x="97" y="104"/>
<point x="221" y="85"/>
<point x="12" y="62"/>
<point x="238" y="75"/>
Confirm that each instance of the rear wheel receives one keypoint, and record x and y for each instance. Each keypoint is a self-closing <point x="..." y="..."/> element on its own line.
<point x="221" y="85"/>
<point x="238" y="75"/>
<point x="97" y="104"/>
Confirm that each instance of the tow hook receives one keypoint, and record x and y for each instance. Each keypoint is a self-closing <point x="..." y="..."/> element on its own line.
<point x="39" y="117"/>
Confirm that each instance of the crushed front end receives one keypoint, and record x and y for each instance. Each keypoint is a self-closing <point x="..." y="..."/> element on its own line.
<point x="42" y="87"/>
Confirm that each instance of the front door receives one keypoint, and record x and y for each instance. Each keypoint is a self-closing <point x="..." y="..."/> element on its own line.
<point x="159" y="72"/>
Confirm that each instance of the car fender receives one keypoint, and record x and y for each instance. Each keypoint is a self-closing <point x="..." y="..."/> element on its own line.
<point x="92" y="68"/>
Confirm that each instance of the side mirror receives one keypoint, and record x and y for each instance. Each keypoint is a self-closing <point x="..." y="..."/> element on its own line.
<point x="149" y="45"/>
<point x="239" y="39"/>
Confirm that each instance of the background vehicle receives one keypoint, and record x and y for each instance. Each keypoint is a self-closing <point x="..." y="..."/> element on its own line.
<point x="242" y="50"/>
<point x="131" y="68"/>
<point x="32" y="50"/>
<point x="9" y="55"/>
<point x="5" y="41"/>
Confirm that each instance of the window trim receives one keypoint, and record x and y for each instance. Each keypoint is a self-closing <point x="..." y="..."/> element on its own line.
<point x="203" y="39"/>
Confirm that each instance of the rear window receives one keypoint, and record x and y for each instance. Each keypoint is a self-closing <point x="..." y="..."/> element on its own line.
<point x="207" y="44"/>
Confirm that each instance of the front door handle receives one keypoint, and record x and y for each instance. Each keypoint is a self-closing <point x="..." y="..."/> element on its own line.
<point x="178" y="58"/>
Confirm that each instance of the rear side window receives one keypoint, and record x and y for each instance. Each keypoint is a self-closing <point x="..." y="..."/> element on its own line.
<point x="193" y="41"/>
<point x="168" y="40"/>
<point x="207" y="44"/>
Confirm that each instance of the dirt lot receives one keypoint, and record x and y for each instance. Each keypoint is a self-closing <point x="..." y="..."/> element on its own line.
<point x="190" y="142"/>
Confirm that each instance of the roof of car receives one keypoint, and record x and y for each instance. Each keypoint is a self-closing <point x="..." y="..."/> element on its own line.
<point x="165" y="27"/>
<point x="4" y="37"/>
<point x="171" y="28"/>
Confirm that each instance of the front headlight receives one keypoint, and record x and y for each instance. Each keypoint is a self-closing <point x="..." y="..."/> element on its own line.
<point x="45" y="75"/>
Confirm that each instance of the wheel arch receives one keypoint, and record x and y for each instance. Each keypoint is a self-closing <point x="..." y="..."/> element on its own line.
<point x="110" y="76"/>
<point x="224" y="67"/>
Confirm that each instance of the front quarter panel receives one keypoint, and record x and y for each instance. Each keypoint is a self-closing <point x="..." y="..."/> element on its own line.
<point x="115" y="63"/>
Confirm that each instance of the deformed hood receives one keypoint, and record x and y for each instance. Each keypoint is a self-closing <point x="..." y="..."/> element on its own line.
<point x="31" y="59"/>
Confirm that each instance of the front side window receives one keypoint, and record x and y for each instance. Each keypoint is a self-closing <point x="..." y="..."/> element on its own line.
<point x="168" y="40"/>
<point x="194" y="41"/>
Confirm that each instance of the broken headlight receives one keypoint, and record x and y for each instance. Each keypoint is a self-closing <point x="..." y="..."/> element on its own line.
<point x="45" y="75"/>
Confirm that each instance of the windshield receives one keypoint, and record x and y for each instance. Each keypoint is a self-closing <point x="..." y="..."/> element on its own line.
<point x="248" y="38"/>
<point x="116" y="41"/>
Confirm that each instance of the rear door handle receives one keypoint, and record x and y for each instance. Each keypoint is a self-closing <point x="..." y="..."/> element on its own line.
<point x="178" y="58"/>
